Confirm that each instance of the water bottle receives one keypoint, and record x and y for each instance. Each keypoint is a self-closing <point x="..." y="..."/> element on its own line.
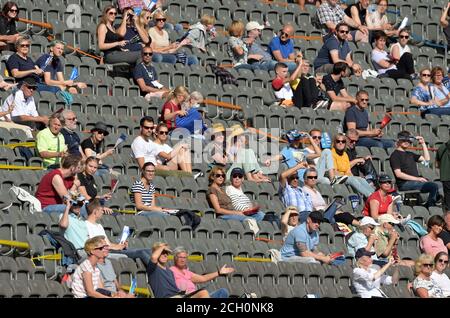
<point x="325" y="142"/>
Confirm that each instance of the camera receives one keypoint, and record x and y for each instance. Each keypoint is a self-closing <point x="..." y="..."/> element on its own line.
<point x="75" y="199"/>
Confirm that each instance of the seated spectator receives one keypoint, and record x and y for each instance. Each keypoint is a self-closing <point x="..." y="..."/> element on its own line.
<point x="146" y="77"/>
<point x="201" y="33"/>
<point x="50" y="143"/>
<point x="134" y="30"/>
<point x="335" y="49"/>
<point x="261" y="57"/>
<point x="8" y="31"/>
<point x="360" y="166"/>
<point x="172" y="107"/>
<point x="403" y="164"/>
<point x="56" y="184"/>
<point x="52" y="65"/>
<point x="424" y="286"/>
<point x="186" y="280"/>
<point x="244" y="157"/>
<point x="19" y="110"/>
<point x="439" y="276"/>
<point x="444" y="21"/>
<point x="431" y="243"/>
<point x="364" y="237"/>
<point x="72" y="140"/>
<point x="143" y="145"/>
<point x="386" y="65"/>
<point x="357" y="117"/>
<point x="301" y="243"/>
<point x="401" y="47"/>
<point x="330" y="14"/>
<point x="283" y="83"/>
<point x="289" y="220"/>
<point x="376" y="20"/>
<point x="367" y="277"/>
<point x="421" y="96"/>
<point x="307" y="93"/>
<point x="335" y="88"/>
<point x="87" y="187"/>
<point x="193" y="121"/>
<point x="342" y="167"/>
<point x="92" y="146"/>
<point x="238" y="50"/>
<point x="282" y="47"/>
<point x="358" y="11"/>
<point x="239" y="200"/>
<point x="217" y="148"/>
<point x="72" y="224"/>
<point x="110" y="42"/>
<point x="163" y="50"/>
<point x="161" y="278"/>
<point x="445" y="234"/>
<point x="438" y="90"/>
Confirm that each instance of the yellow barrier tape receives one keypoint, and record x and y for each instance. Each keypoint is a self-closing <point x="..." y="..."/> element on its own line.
<point x="52" y="257"/>
<point x="138" y="291"/>
<point x="125" y="211"/>
<point x="13" y="167"/>
<point x="251" y="259"/>
<point x="29" y="144"/>
<point x="24" y="245"/>
<point x="195" y="258"/>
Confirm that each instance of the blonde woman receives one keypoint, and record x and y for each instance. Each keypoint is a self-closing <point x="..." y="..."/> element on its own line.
<point x="439" y="275"/>
<point x="424" y="286"/>
<point x="202" y="32"/>
<point x="237" y="49"/>
<point x="172" y="107"/>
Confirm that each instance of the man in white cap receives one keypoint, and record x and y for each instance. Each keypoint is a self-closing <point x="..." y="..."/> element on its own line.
<point x="265" y="60"/>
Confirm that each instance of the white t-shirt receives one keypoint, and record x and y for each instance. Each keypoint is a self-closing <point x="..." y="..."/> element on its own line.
<point x="157" y="148"/>
<point x="442" y="281"/>
<point x="23" y="107"/>
<point x="285" y="92"/>
<point x="377" y="57"/>
<point x="364" y="283"/>
<point x="95" y="229"/>
<point x="143" y="149"/>
<point x="403" y="50"/>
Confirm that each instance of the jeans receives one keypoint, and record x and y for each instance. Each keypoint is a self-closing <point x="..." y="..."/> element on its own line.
<point x="324" y="164"/>
<point x="375" y="142"/>
<point x="47" y="88"/>
<point x="60" y="208"/>
<point x="220" y="293"/>
<point x="266" y="65"/>
<point x="143" y="254"/>
<point x="360" y="185"/>
<point x="439" y="111"/>
<point x="425" y="187"/>
<point x="328" y="214"/>
<point x="259" y="216"/>
<point x="172" y="58"/>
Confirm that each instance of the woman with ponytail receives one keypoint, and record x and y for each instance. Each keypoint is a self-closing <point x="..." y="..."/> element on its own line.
<point x="172" y="107"/>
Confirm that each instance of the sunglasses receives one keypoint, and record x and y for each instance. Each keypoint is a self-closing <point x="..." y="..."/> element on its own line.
<point x="282" y="33"/>
<point x="101" y="132"/>
<point x="372" y="227"/>
<point x="13" y="10"/>
<point x="218" y="175"/>
<point x="425" y="75"/>
<point x="428" y="265"/>
<point x="311" y="177"/>
<point x="163" y="19"/>
<point x="293" y="178"/>
<point x="101" y="248"/>
<point x="148" y="127"/>
<point x="340" y="141"/>
<point x="163" y="132"/>
<point x="352" y="141"/>
<point x="25" y="45"/>
<point x="364" y="99"/>
<point x="344" y="32"/>
<point x="316" y="137"/>
<point x="240" y="176"/>
<point x="147" y="54"/>
<point x="404" y="36"/>
<point x="391" y="223"/>
<point x="33" y="88"/>
<point x="443" y="261"/>
<point x="112" y="13"/>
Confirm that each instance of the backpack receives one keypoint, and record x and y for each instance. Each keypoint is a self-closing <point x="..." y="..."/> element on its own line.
<point x="189" y="218"/>
<point x="70" y="254"/>
<point x="224" y="76"/>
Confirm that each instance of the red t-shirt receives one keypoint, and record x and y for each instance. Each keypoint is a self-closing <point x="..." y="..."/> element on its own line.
<point x="277" y="83"/>
<point x="173" y="108"/>
<point x="383" y="205"/>
<point x="46" y="193"/>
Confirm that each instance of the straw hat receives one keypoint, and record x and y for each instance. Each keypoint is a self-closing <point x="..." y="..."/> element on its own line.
<point x="217" y="128"/>
<point x="237" y="130"/>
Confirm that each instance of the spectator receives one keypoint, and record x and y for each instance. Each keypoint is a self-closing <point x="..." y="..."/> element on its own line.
<point x="335" y="49"/>
<point x="330" y="14"/>
<point x="193" y="121"/>
<point x="335" y="88"/>
<point x="445" y="234"/>
<point x="52" y="65"/>
<point x="421" y="96"/>
<point x="439" y="276"/>
<point x="8" y="31"/>
<point x="367" y="277"/>
<point x="161" y="278"/>
<point x="359" y="165"/>
<point x="72" y="224"/>
<point x="282" y="47"/>
<point x="142" y="146"/>
<point x="50" y="143"/>
<point x="342" y="167"/>
<point x="95" y="212"/>
<point x="283" y="83"/>
<point x="163" y="50"/>
<point x="401" y="47"/>
<point x="365" y="238"/>
<point x="376" y="20"/>
<point x="146" y="77"/>
<point x="87" y="187"/>
<point x="238" y="50"/>
<point x="403" y="164"/>
<point x="358" y="11"/>
<point x="133" y="29"/>
<point x="56" y="184"/>
<point x="386" y="65"/>
<point x="425" y="286"/>
<point x="301" y="243"/>
<point x="243" y="157"/>
<point x="19" y="110"/>
<point x="92" y="146"/>
<point x="110" y="42"/>
<point x="289" y="220"/>
<point x="439" y="91"/>
<point x="357" y="117"/>
<point x="218" y="154"/>
<point x="307" y="93"/>
<point x="172" y="107"/>
<point x="69" y="123"/>
<point x="386" y="243"/>
<point x="201" y="33"/>
<point x="444" y="21"/>
<point x="431" y="243"/>
<point x="239" y="199"/>
<point x="187" y="280"/>
<point x="261" y="57"/>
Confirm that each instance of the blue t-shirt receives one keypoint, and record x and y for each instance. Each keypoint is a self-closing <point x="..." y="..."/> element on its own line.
<point x="285" y="48"/>
<point x="16" y="62"/>
<point x="290" y="155"/>
<point x="53" y="67"/>
<point x="72" y="141"/>
<point x="356" y="115"/>
<point x="162" y="281"/>
<point x="332" y="43"/>
<point x="147" y="72"/>
<point x="129" y="34"/>
<point x="299" y="235"/>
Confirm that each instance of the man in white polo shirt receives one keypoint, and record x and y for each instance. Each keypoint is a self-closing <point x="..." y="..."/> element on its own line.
<point x="143" y="144"/>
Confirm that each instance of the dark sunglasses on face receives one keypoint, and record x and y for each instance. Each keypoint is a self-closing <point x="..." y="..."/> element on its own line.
<point x="425" y="75"/>
<point x="352" y="141"/>
<point x="427" y="265"/>
<point x="101" y="132"/>
<point x="340" y="141"/>
<point x="293" y="178"/>
<point x="147" y="54"/>
<point x="443" y="261"/>
<point x="101" y="248"/>
<point x="148" y="127"/>
<point x="364" y="99"/>
<point x="13" y="10"/>
<point x="161" y="19"/>
<point x="25" y="45"/>
<point x="312" y="177"/>
<point x="240" y="176"/>
<point x="404" y="36"/>
<point x="218" y="175"/>
<point x="112" y="13"/>
<point x="163" y="132"/>
<point x="344" y="31"/>
<point x="282" y="33"/>
<point x="32" y="88"/>
<point x="316" y="137"/>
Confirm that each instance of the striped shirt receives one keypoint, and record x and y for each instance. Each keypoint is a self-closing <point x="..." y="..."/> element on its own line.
<point x="296" y="197"/>
<point x="78" y="289"/>
<point x="147" y="195"/>
<point x="238" y="198"/>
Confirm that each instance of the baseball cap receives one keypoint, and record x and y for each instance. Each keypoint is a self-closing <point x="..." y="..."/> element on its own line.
<point x="363" y="252"/>
<point x="387" y="218"/>
<point x="316" y="216"/>
<point x="404" y="135"/>
<point x="367" y="220"/>
<point x="384" y="178"/>
<point x="253" y="25"/>
<point x="30" y="82"/>
<point x="237" y="171"/>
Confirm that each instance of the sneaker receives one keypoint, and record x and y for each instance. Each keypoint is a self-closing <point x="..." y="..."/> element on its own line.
<point x="405" y="220"/>
<point x="198" y="175"/>
<point x="339" y="180"/>
<point x="320" y="104"/>
<point x="396" y="198"/>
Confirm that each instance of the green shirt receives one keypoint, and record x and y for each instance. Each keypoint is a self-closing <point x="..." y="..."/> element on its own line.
<point x="77" y="232"/>
<point x="443" y="156"/>
<point x="47" y="141"/>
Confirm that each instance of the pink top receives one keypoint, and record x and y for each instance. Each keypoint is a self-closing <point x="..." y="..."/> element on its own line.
<point x="183" y="279"/>
<point x="432" y="247"/>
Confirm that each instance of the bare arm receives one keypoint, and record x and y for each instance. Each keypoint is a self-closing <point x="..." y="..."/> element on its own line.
<point x="157" y="253"/>
<point x="304" y="252"/>
<point x="64" y="221"/>
<point x="374" y="207"/>
<point x="219" y="210"/>
<point x="101" y="35"/>
<point x="285" y="174"/>
<point x="395" y="52"/>
<point x="145" y="88"/>
<point x="277" y="55"/>
<point x="89" y="286"/>
<point x="140" y="206"/>
<point x="443" y="19"/>
<point x="284" y="223"/>
<point x="355" y="15"/>
<point x="336" y="98"/>
<point x="20" y="74"/>
<point x="58" y="185"/>
<point x="422" y="293"/>
<point x="401" y="175"/>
